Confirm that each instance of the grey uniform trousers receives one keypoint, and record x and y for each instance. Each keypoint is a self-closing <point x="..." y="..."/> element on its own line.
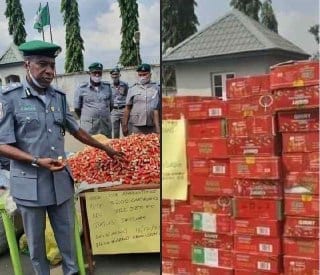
<point x="62" y="222"/>
<point x="116" y="119"/>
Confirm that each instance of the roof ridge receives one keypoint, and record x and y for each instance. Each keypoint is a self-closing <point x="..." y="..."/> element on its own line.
<point x="13" y="47"/>
<point x="196" y="34"/>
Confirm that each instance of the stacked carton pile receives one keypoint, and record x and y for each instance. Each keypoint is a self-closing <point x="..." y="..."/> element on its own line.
<point x="253" y="198"/>
<point x="298" y="121"/>
<point x="211" y="187"/>
<point x="255" y="170"/>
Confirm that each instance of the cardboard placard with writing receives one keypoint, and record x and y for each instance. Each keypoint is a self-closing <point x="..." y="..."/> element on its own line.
<point x="124" y="221"/>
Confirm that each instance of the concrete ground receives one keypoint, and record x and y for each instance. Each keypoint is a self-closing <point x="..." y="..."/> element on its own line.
<point x="126" y="264"/>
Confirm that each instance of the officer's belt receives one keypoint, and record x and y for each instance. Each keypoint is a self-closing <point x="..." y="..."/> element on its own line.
<point x="118" y="107"/>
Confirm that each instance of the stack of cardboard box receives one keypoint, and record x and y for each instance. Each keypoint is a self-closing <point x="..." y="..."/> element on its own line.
<point x="256" y="173"/>
<point x="298" y="121"/>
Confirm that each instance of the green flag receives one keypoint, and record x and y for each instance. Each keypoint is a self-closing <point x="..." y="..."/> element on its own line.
<point x="42" y="18"/>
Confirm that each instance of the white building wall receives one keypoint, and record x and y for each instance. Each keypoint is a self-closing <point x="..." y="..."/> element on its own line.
<point x="69" y="82"/>
<point x="194" y="78"/>
<point x="18" y="70"/>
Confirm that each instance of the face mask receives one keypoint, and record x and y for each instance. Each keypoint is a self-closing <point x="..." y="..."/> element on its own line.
<point x="144" y="79"/>
<point x="96" y="79"/>
<point x="35" y="82"/>
<point x="116" y="80"/>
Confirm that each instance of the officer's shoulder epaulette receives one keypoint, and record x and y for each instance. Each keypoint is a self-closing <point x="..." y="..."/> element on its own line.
<point x="135" y="84"/>
<point x="11" y="87"/>
<point x="59" y="91"/>
<point x="85" y="84"/>
<point x="105" y="83"/>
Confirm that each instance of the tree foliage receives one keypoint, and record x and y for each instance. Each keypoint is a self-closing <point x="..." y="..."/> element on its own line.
<point x="179" y="21"/>
<point x="16" y="20"/>
<point x="268" y="19"/>
<point x="74" y="41"/>
<point x="130" y="54"/>
<point x="249" y="7"/>
<point x="315" y="31"/>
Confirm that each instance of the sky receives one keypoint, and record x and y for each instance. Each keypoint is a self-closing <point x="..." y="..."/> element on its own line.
<point x="294" y="18"/>
<point x="101" y="23"/>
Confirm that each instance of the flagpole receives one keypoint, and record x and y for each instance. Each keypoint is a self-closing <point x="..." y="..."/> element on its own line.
<point x="50" y="23"/>
<point x="42" y="34"/>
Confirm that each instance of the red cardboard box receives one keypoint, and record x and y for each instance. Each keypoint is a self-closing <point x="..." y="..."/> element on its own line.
<point x="255" y="167"/>
<point x="300" y="142"/>
<point x="261" y="245"/>
<point x="300" y="266"/>
<point x="212" y="240"/>
<point x="301" y="227"/>
<point x="173" y="231"/>
<point x="257" y="227"/>
<point x="211" y="186"/>
<point x="299" y="120"/>
<point x="249" y="272"/>
<point x="296" y="98"/>
<point x="176" y="267"/>
<point x="207" y="148"/>
<point x="301" y="247"/>
<point x="257" y="262"/>
<point x="300" y="162"/>
<point x="216" y="167"/>
<point x="176" y="250"/>
<point x="212" y="257"/>
<point x="301" y="205"/>
<point x="206" y="270"/>
<point x="247" y="86"/>
<point x="250" y="106"/>
<point x="302" y="183"/>
<point x="180" y="213"/>
<point x="205" y="109"/>
<point x="251" y="126"/>
<point x="257" y="208"/>
<point x="209" y="128"/>
<point x="211" y="222"/>
<point x="258" y="145"/>
<point x="294" y="74"/>
<point x="217" y="205"/>
<point x="258" y="188"/>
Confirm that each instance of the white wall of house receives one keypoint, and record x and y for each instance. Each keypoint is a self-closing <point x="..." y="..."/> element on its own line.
<point x="69" y="82"/>
<point x="194" y="78"/>
<point x="14" y="69"/>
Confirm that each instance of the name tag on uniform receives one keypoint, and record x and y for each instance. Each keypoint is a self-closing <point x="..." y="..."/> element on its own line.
<point x="28" y="107"/>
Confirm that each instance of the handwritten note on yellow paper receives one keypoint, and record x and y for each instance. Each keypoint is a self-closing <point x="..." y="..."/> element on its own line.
<point x="124" y="221"/>
<point x="174" y="163"/>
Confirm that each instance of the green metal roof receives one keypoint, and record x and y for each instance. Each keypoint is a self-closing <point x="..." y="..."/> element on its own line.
<point x="231" y="34"/>
<point x="12" y="55"/>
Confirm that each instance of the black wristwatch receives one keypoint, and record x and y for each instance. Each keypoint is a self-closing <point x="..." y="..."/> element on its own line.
<point x="35" y="162"/>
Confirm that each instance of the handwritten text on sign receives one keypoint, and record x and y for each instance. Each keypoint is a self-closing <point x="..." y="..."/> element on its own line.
<point x="174" y="163"/>
<point x="124" y="221"/>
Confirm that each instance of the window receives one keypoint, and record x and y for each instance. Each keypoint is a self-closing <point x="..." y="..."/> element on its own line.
<point x="218" y="84"/>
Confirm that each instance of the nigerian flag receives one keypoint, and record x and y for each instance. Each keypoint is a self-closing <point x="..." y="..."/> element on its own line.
<point x="42" y="18"/>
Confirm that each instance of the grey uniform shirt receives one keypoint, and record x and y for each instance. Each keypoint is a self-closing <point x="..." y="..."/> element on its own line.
<point x="142" y="98"/>
<point x="33" y="126"/>
<point x="119" y="94"/>
<point x="94" y="103"/>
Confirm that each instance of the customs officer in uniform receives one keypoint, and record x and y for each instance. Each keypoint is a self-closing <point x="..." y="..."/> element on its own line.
<point x="93" y="103"/>
<point x="119" y="95"/>
<point x="33" y="120"/>
<point x="140" y="103"/>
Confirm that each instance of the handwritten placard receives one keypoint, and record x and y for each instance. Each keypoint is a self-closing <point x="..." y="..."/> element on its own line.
<point x="174" y="163"/>
<point x="124" y="221"/>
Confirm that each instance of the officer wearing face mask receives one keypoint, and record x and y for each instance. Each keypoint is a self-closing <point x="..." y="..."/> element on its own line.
<point x="119" y="94"/>
<point x="140" y="103"/>
<point x="93" y="103"/>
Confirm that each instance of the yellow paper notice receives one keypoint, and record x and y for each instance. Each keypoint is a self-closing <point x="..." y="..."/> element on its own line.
<point x="174" y="164"/>
<point x="124" y="221"/>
